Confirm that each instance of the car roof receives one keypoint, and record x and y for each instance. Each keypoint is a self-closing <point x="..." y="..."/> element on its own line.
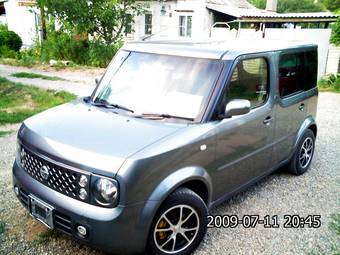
<point x="226" y="50"/>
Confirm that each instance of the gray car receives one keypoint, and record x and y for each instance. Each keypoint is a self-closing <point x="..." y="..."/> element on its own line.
<point x="171" y="130"/>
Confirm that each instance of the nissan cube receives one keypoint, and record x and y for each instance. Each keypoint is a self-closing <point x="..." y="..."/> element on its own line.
<point x="171" y="130"/>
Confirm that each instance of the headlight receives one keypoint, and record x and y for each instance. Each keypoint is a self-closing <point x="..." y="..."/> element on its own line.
<point x="105" y="191"/>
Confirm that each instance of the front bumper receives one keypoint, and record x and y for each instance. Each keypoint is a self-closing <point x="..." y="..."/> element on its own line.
<point x="115" y="230"/>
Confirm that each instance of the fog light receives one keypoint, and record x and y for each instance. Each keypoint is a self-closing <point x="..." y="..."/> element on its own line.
<point x="82" y="194"/>
<point x="16" y="190"/>
<point x="82" y="181"/>
<point x="82" y="230"/>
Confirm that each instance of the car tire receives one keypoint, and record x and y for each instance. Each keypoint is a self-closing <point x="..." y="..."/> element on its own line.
<point x="179" y="238"/>
<point x="303" y="154"/>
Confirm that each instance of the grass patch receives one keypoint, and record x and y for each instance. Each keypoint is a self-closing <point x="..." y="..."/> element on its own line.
<point x="27" y="62"/>
<point x="46" y="236"/>
<point x="5" y="133"/>
<point x="330" y="83"/>
<point x="333" y="245"/>
<point x="36" y="76"/>
<point x="19" y="101"/>
<point x="335" y="224"/>
<point x="2" y="227"/>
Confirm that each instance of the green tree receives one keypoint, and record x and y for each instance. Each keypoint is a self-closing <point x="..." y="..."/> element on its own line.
<point x="103" y="19"/>
<point x="284" y="6"/>
<point x="332" y="5"/>
<point x="335" y="36"/>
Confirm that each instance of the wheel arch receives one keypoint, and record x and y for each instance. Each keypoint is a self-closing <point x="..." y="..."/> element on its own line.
<point x="309" y="123"/>
<point x="194" y="178"/>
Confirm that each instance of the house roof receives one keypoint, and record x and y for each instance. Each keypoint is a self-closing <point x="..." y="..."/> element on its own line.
<point x="212" y="49"/>
<point x="232" y="3"/>
<point x="251" y="14"/>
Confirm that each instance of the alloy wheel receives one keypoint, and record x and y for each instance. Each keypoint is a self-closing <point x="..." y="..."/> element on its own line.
<point x="306" y="152"/>
<point x="176" y="229"/>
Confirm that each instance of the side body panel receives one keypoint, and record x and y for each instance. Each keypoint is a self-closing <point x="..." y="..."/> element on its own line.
<point x="293" y="114"/>
<point x="244" y="143"/>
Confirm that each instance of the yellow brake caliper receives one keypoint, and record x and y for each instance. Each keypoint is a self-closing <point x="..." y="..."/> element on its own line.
<point x="161" y="225"/>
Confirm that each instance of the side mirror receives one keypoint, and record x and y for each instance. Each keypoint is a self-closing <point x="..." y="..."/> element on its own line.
<point x="98" y="78"/>
<point x="236" y="107"/>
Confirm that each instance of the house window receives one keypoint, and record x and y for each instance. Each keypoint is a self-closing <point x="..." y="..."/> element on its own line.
<point x="185" y="24"/>
<point x="148" y="23"/>
<point x="250" y="81"/>
<point x="2" y="9"/>
<point x="128" y="24"/>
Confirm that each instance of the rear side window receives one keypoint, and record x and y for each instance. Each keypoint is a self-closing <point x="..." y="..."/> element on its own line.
<point x="291" y="73"/>
<point x="250" y="81"/>
<point x="297" y="72"/>
<point x="311" y="69"/>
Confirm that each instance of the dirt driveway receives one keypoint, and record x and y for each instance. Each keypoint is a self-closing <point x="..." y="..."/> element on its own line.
<point x="79" y="82"/>
<point x="315" y="193"/>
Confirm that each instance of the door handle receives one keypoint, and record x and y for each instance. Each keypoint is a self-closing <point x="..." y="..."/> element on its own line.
<point x="267" y="120"/>
<point x="302" y="107"/>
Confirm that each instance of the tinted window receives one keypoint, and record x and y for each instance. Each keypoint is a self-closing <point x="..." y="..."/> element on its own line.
<point x="311" y="69"/>
<point x="291" y="73"/>
<point x="250" y="81"/>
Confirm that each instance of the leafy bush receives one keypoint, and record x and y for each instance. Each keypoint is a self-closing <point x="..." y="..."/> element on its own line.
<point x="63" y="46"/>
<point x="6" y="52"/>
<point x="101" y="54"/>
<point x="335" y="36"/>
<point x="9" y="40"/>
<point x="330" y="82"/>
<point x="60" y="46"/>
<point x="27" y="58"/>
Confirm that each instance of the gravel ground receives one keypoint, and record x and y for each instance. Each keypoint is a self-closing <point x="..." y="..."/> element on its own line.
<point x="79" y="82"/>
<point x="314" y="193"/>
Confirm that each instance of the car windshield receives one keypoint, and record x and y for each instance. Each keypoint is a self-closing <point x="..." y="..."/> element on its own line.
<point x="159" y="84"/>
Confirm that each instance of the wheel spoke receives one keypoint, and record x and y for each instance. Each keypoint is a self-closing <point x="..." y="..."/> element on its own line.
<point x="174" y="244"/>
<point x="189" y="229"/>
<point x="167" y="241"/>
<point x="188" y="217"/>
<point x="180" y="215"/>
<point x="163" y="229"/>
<point x="167" y="220"/>
<point x="185" y="237"/>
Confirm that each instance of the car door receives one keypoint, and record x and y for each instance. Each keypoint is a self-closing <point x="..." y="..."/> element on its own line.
<point x="290" y="110"/>
<point x="243" y="146"/>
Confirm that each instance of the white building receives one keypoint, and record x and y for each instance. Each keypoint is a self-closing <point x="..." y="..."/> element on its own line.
<point x="21" y="17"/>
<point x="226" y="19"/>
<point x="199" y="19"/>
<point x="174" y="19"/>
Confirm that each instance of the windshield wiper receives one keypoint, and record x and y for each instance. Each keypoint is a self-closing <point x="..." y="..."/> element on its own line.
<point x="106" y="104"/>
<point x="162" y="116"/>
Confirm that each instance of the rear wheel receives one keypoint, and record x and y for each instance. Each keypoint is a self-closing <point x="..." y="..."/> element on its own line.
<point x="303" y="155"/>
<point x="180" y="224"/>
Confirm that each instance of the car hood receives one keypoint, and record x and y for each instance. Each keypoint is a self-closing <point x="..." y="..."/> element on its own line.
<point x="89" y="137"/>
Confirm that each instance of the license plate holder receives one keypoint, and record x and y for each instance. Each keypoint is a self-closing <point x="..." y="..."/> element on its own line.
<point x="41" y="211"/>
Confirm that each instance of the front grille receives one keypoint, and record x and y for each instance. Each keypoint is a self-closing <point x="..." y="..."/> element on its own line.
<point x="63" y="222"/>
<point x="52" y="175"/>
<point x="23" y="196"/>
